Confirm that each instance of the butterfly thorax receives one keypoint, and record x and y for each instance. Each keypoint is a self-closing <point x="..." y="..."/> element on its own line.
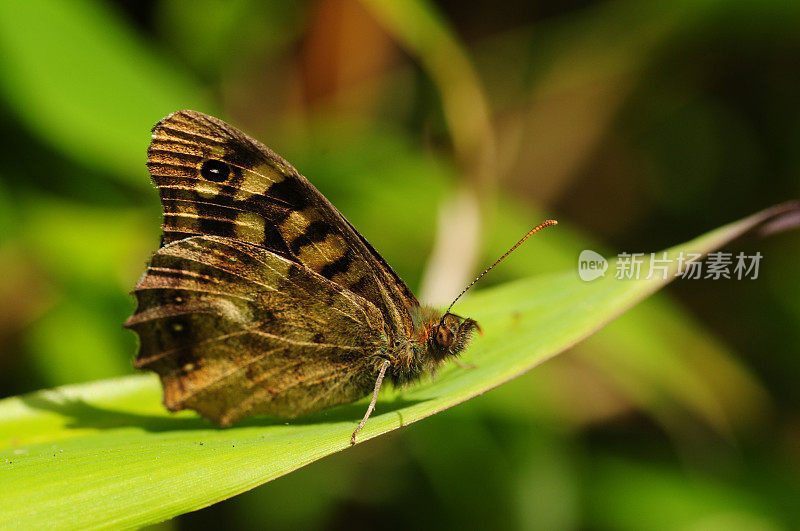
<point x="436" y="338"/>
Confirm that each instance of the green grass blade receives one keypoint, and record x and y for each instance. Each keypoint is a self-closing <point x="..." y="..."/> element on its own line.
<point x="107" y="454"/>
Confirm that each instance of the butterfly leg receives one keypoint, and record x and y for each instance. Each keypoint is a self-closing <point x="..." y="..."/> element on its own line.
<point x="378" y="383"/>
<point x="464" y="365"/>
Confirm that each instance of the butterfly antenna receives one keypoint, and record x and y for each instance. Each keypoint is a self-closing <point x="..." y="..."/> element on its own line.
<point x="531" y="232"/>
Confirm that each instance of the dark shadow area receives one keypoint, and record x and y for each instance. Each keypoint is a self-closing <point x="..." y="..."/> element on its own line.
<point x="85" y="415"/>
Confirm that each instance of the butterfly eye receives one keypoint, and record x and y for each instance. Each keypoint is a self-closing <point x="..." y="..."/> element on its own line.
<point x="443" y="336"/>
<point x="215" y="170"/>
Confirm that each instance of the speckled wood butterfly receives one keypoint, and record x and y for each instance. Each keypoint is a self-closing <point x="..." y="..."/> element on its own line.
<point x="263" y="298"/>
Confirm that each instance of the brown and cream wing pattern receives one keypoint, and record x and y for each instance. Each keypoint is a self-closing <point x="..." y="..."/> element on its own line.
<point x="214" y="180"/>
<point x="234" y="330"/>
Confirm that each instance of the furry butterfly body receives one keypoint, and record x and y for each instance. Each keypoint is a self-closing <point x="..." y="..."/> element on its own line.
<point x="263" y="298"/>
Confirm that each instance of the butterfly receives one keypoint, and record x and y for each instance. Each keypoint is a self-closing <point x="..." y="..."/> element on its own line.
<point x="263" y="298"/>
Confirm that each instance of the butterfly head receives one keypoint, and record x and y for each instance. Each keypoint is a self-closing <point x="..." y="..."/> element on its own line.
<point x="451" y="335"/>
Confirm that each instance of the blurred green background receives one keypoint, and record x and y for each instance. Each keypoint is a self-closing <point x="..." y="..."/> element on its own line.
<point x="444" y="130"/>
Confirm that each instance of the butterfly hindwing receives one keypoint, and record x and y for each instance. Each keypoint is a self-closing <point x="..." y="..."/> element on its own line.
<point x="234" y="330"/>
<point x="214" y="180"/>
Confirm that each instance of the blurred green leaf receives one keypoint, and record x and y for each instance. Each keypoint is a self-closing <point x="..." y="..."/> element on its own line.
<point x="71" y="343"/>
<point x="7" y="214"/>
<point x="638" y="496"/>
<point x="77" y="76"/>
<point x="423" y="31"/>
<point x="106" y="453"/>
<point x="216" y="36"/>
<point x="658" y="358"/>
<point x="89" y="247"/>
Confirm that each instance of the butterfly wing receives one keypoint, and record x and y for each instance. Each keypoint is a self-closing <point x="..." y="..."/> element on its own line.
<point x="215" y="180"/>
<point x="235" y="330"/>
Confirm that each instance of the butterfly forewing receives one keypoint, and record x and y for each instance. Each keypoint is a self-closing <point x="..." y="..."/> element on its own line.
<point x="263" y="298"/>
<point x="234" y="330"/>
<point x="216" y="181"/>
